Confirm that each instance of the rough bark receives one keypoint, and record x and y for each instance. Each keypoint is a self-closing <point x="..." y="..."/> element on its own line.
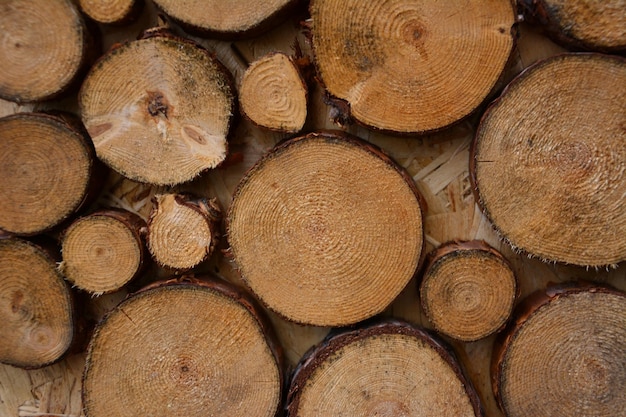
<point x="206" y="350"/>
<point x="326" y="229"/>
<point x="548" y="159"/>
<point x="564" y="354"/>
<point x="384" y="369"/>
<point x="468" y="290"/>
<point x="411" y="66"/>
<point x="104" y="251"/>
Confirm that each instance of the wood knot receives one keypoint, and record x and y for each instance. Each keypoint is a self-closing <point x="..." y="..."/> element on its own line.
<point x="413" y="33"/>
<point x="16" y="302"/>
<point x="157" y="104"/>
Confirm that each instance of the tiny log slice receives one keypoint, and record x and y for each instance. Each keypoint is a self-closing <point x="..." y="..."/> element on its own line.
<point x="597" y="25"/>
<point x="227" y="19"/>
<point x="183" y="348"/>
<point x="111" y="11"/>
<point x="48" y="169"/>
<point x="44" y="46"/>
<point x="468" y="290"/>
<point x="273" y="94"/>
<point x="183" y="230"/>
<point x="158" y="109"/>
<point x="103" y="251"/>
<point x="549" y="158"/>
<point x="564" y="355"/>
<point x="411" y="66"/>
<point x="385" y="369"/>
<point x="326" y="229"/>
<point x="36" y="307"/>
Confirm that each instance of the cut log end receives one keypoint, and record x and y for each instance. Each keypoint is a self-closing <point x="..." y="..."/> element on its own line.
<point x="564" y="355"/>
<point x="36" y="308"/>
<point x="387" y="369"/>
<point x="104" y="251"/>
<point x="44" y="46"/>
<point x="204" y="351"/>
<point x="391" y="61"/>
<point x="314" y="238"/>
<point x="183" y="230"/>
<point x="468" y="290"/>
<point x="178" y="111"/>
<point x="595" y="25"/>
<point x="274" y="95"/>
<point x="46" y="167"/>
<point x="549" y="156"/>
<point x="111" y="11"/>
<point x="233" y="19"/>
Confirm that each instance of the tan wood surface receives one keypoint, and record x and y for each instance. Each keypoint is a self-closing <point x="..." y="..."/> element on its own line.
<point x="438" y="163"/>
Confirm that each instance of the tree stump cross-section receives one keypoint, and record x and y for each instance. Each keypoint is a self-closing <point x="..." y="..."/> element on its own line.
<point x="226" y="19"/>
<point x="468" y="290"/>
<point x="172" y="122"/>
<point x="563" y="355"/>
<point x="382" y="369"/>
<point x="326" y="229"/>
<point x="36" y="306"/>
<point x="411" y="66"/>
<point x="549" y="157"/>
<point x="103" y="251"/>
<point x="48" y="169"/>
<point x="45" y="45"/>
<point x="184" y="347"/>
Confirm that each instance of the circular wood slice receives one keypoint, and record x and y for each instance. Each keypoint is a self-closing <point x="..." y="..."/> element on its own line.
<point x="592" y="24"/>
<point x="549" y="157"/>
<point x="326" y="230"/>
<point x="194" y="348"/>
<point x="36" y="307"/>
<point x="227" y="19"/>
<point x="103" y="251"/>
<point x="411" y="66"/>
<point x="48" y="172"/>
<point x="158" y="109"/>
<point x="564" y="355"/>
<point x="386" y="369"/>
<point x="43" y="47"/>
<point x="183" y="230"/>
<point x="273" y="94"/>
<point x="468" y="290"/>
<point x="111" y="11"/>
